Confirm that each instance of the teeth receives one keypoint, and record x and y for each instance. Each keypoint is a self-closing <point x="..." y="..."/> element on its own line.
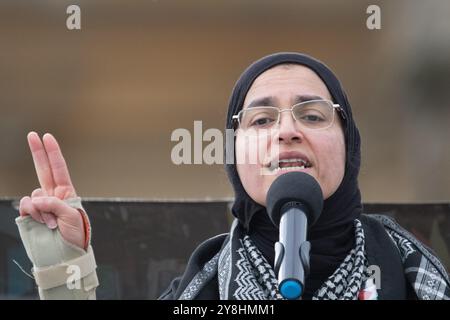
<point x="293" y="160"/>
<point x="288" y="168"/>
<point x="276" y="165"/>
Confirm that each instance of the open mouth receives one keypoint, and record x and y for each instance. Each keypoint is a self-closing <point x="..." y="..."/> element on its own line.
<point x="289" y="161"/>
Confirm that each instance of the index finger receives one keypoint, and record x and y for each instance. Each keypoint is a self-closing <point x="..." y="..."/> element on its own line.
<point x="41" y="162"/>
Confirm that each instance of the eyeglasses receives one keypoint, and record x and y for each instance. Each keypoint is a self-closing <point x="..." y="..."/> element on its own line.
<point x="312" y="114"/>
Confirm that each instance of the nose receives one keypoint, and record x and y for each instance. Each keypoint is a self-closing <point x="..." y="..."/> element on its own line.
<point x="288" y="129"/>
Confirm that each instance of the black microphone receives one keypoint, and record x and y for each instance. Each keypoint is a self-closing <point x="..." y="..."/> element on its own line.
<point x="294" y="202"/>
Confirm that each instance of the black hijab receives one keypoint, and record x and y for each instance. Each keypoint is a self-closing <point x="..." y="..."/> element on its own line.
<point x="332" y="236"/>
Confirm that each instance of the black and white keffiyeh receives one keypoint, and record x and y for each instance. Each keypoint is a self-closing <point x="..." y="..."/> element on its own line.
<point x="423" y="270"/>
<point x="244" y="274"/>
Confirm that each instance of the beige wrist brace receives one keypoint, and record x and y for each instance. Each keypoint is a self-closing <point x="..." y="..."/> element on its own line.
<point x="61" y="270"/>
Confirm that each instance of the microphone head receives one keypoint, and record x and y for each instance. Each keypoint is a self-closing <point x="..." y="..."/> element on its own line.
<point x="294" y="187"/>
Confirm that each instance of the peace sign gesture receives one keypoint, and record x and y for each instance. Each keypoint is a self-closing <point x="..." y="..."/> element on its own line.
<point x="46" y="203"/>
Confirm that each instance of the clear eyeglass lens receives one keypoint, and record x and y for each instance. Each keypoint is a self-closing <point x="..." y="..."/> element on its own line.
<point x="314" y="114"/>
<point x="259" y="117"/>
<point x="311" y="114"/>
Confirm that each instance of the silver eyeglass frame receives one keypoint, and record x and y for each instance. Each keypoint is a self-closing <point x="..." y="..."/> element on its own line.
<point x="337" y="107"/>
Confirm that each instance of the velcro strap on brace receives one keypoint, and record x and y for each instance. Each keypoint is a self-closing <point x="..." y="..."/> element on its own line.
<point x="62" y="274"/>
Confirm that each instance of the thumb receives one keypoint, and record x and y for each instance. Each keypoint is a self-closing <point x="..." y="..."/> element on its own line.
<point x="52" y="204"/>
<point x="49" y="218"/>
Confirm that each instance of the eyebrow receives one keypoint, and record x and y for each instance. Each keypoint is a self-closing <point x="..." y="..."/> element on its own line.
<point x="270" y="101"/>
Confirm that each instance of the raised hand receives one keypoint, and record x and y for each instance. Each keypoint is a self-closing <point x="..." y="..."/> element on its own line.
<point x="46" y="203"/>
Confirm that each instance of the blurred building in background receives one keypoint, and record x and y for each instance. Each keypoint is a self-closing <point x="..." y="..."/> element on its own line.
<point x="114" y="91"/>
